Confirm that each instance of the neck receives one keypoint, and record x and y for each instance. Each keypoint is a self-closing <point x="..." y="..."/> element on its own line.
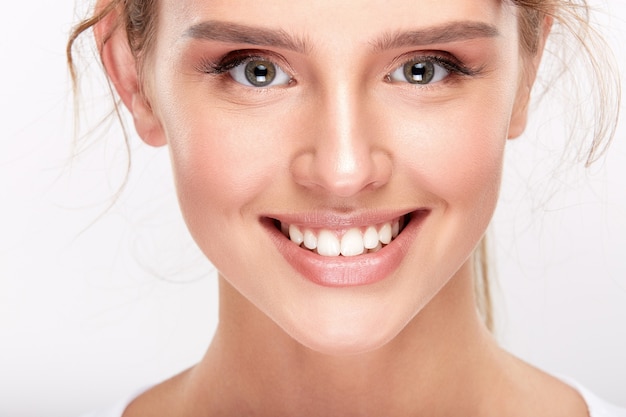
<point x="422" y="369"/>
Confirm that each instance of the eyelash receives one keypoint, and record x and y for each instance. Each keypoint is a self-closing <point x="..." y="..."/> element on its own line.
<point x="454" y="66"/>
<point x="451" y="64"/>
<point x="234" y="59"/>
<point x="446" y="61"/>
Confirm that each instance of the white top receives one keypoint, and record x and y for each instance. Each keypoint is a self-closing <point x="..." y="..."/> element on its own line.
<point x="117" y="410"/>
<point x="597" y="407"/>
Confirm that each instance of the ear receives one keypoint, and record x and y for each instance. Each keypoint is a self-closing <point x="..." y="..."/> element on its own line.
<point x="122" y="70"/>
<point x="519" y="116"/>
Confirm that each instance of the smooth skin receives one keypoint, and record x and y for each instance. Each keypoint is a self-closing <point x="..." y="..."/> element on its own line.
<point x="340" y="139"/>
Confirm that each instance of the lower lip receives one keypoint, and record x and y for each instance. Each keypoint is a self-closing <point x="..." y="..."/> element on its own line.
<point x="349" y="271"/>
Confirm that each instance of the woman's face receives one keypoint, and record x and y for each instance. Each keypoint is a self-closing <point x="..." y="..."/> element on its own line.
<point x="334" y="125"/>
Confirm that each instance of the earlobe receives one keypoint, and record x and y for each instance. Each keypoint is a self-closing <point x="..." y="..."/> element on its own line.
<point x="519" y="117"/>
<point x="146" y="124"/>
<point x="121" y="68"/>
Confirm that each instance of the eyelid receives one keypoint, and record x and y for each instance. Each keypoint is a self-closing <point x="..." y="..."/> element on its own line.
<point x="235" y="58"/>
<point x="446" y="60"/>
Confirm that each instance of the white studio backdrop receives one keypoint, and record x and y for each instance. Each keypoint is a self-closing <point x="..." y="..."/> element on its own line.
<point x="98" y="301"/>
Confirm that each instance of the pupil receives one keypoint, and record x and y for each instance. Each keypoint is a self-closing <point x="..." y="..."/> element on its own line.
<point x="419" y="72"/>
<point x="260" y="71"/>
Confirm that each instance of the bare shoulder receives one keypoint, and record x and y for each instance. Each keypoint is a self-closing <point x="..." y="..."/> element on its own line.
<point x="162" y="399"/>
<point x="532" y="392"/>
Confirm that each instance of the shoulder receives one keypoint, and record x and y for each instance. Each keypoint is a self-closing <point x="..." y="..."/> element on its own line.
<point x="597" y="407"/>
<point x="117" y="409"/>
<point x="163" y="398"/>
<point x="528" y="391"/>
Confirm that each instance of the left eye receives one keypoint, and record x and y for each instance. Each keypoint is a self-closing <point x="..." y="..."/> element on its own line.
<point x="258" y="72"/>
<point x="419" y="71"/>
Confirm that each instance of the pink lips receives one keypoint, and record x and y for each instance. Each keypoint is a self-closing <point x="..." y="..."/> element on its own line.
<point x="347" y="271"/>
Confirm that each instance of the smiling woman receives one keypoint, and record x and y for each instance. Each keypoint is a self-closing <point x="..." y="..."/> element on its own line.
<point x="339" y="164"/>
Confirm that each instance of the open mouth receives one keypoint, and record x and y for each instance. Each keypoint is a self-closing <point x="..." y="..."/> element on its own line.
<point x="346" y="242"/>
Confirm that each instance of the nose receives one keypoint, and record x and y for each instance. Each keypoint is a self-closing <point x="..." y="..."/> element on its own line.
<point x="343" y="153"/>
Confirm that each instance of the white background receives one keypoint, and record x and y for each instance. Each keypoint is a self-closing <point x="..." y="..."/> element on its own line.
<point x="95" y="303"/>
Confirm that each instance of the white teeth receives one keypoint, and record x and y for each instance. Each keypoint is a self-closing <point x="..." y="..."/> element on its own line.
<point x="310" y="240"/>
<point x="295" y="235"/>
<point x="370" y="238"/>
<point x="384" y="235"/>
<point x="352" y="243"/>
<point x="328" y="244"/>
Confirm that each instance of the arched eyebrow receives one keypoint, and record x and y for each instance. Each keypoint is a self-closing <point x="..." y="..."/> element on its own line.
<point x="446" y="33"/>
<point x="252" y="35"/>
<point x="237" y="33"/>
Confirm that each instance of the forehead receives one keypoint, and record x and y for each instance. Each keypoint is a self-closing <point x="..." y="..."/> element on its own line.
<point x="333" y="22"/>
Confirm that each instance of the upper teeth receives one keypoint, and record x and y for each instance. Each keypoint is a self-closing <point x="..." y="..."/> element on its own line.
<point x="352" y="242"/>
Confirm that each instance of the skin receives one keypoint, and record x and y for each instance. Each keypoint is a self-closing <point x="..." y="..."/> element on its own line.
<point x="343" y="142"/>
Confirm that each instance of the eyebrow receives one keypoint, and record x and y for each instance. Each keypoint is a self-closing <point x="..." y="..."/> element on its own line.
<point x="229" y="32"/>
<point x="446" y="33"/>
<point x="237" y="33"/>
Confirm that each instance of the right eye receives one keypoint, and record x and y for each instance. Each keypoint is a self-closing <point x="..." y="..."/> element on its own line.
<point x="259" y="72"/>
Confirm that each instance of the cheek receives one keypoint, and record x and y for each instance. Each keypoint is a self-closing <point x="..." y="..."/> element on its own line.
<point x="221" y="165"/>
<point x="471" y="168"/>
<point x="460" y="162"/>
<point x="458" y="167"/>
<point x="222" y="156"/>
